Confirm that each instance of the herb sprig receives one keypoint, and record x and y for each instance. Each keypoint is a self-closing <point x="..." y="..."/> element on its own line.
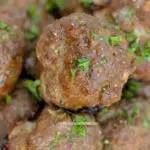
<point x="32" y="86"/>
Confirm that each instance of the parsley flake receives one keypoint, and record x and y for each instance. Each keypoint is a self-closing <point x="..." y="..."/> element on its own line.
<point x="8" y="99"/>
<point x="145" y="123"/>
<point x="32" y="87"/>
<point x="57" y="138"/>
<point x="79" y="125"/>
<point x="83" y="64"/>
<point x="115" y="40"/>
<point x="86" y="3"/>
<point x="73" y="74"/>
<point x="32" y="10"/>
<point x="33" y="32"/>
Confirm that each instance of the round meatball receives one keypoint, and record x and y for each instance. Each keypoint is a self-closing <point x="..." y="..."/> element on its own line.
<point x="135" y="15"/>
<point x="128" y="127"/>
<point x="21" y="106"/>
<point x="11" y="45"/>
<point x="83" y="66"/>
<point x="56" y="125"/>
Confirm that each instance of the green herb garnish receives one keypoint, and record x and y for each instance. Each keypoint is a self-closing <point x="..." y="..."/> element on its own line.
<point x="73" y="74"/>
<point x="4" y="37"/>
<point x="79" y="125"/>
<point x="32" y="10"/>
<point x="4" y="26"/>
<point x="130" y="36"/>
<point x="115" y="40"/>
<point x="147" y="44"/>
<point x="83" y="64"/>
<point x="51" y="4"/>
<point x="8" y="99"/>
<point x="117" y="27"/>
<point x="33" y="32"/>
<point x="145" y="123"/>
<point x="130" y="12"/>
<point x="86" y="3"/>
<point x="134" y="47"/>
<point x="57" y="138"/>
<point x="130" y="89"/>
<point x="32" y="86"/>
<point x="106" y="142"/>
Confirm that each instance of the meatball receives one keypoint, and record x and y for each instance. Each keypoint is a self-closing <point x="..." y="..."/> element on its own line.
<point x="135" y="15"/>
<point x="22" y="106"/>
<point x="56" y="125"/>
<point x="11" y="45"/>
<point x="126" y="125"/>
<point x="18" y="136"/>
<point x="83" y="66"/>
<point x="13" y="15"/>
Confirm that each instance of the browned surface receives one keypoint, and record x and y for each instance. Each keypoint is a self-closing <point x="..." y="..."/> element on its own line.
<point x="22" y="106"/>
<point x="125" y="135"/>
<point x="48" y="124"/>
<point x="10" y="58"/>
<point x="100" y="84"/>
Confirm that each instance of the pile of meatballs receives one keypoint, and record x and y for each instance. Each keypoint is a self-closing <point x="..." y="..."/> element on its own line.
<point x="74" y="74"/>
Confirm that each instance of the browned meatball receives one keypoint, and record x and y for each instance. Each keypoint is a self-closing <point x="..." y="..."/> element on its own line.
<point x="131" y="16"/>
<point x="18" y="136"/>
<point x="11" y="45"/>
<point x="82" y="65"/>
<point x="126" y="125"/>
<point x="135" y="15"/>
<point x="22" y="106"/>
<point x="55" y="125"/>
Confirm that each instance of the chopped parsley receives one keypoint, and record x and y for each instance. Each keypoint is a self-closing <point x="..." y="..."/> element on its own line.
<point x="79" y="126"/>
<point x="83" y="64"/>
<point x="86" y="3"/>
<point x="32" y="87"/>
<point x="57" y="138"/>
<point x="104" y="60"/>
<point x="117" y="27"/>
<point x="32" y="10"/>
<point x="4" y="37"/>
<point x="130" y="36"/>
<point x="130" y="89"/>
<point x="145" y="123"/>
<point x="133" y="47"/>
<point x="33" y="32"/>
<point x="56" y="50"/>
<point x="105" y="110"/>
<point x="8" y="99"/>
<point x="130" y="12"/>
<point x="106" y="142"/>
<point x="115" y="40"/>
<point x="4" y="26"/>
<point x="73" y="74"/>
<point x="51" y="4"/>
<point x="147" y="44"/>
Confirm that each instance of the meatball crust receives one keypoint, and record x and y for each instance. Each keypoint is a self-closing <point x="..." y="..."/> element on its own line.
<point x="80" y="67"/>
<point x="11" y="45"/>
<point x="22" y="106"/>
<point x="127" y="122"/>
<point x="51" y="122"/>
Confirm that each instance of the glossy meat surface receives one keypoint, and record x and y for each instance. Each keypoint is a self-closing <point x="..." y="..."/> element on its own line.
<point x="21" y="106"/>
<point x="76" y="44"/>
<point x="49" y="124"/>
<point x="11" y="51"/>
